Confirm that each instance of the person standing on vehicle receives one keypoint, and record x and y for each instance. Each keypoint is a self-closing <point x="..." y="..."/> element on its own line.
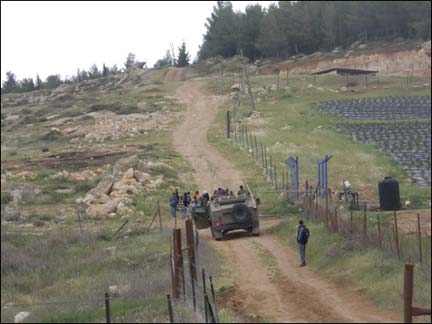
<point x="302" y="239"/>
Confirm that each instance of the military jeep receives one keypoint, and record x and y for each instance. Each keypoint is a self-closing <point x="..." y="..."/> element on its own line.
<point x="226" y="214"/>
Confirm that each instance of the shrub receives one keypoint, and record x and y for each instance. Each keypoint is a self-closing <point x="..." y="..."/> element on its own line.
<point x="6" y="198"/>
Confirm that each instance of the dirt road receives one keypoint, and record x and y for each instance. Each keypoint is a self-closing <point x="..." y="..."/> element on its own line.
<point x="269" y="285"/>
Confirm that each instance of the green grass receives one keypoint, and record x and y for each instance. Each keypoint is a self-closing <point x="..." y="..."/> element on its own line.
<point x="293" y="126"/>
<point x="364" y="268"/>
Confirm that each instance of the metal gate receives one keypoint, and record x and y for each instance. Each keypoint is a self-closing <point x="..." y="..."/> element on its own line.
<point x="294" y="177"/>
<point x="322" y="175"/>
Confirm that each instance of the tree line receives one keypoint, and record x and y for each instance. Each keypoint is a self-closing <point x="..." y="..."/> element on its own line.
<point x="12" y="84"/>
<point x="289" y="28"/>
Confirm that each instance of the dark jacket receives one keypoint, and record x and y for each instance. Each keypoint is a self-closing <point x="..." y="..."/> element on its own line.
<point x="173" y="201"/>
<point x="302" y="235"/>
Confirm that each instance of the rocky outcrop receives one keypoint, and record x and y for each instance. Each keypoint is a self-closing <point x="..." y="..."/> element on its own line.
<point x="111" y="196"/>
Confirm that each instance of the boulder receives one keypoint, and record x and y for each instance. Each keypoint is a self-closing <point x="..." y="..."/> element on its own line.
<point x="10" y="213"/>
<point x="235" y="86"/>
<point x="104" y="186"/>
<point x="124" y="164"/>
<point x="25" y="193"/>
<point x="21" y="316"/>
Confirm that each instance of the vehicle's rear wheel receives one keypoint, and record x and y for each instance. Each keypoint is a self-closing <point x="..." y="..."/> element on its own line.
<point x="241" y="213"/>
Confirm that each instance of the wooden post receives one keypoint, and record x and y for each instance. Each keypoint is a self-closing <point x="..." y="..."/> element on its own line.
<point x="170" y="311"/>
<point x="271" y="169"/>
<point x="205" y="294"/>
<point x="283" y="183"/>
<point x="191" y="248"/>
<point x="277" y="82"/>
<point x="160" y="217"/>
<point x="247" y="139"/>
<point x="379" y="231"/>
<point x="251" y="150"/>
<point x="326" y="208"/>
<point x="214" y="298"/>
<point x="364" y="223"/>
<point x="178" y="261"/>
<point x="336" y="221"/>
<point x="107" y="308"/>
<point x="256" y="148"/>
<point x="228" y="124"/>
<point x="275" y="178"/>
<point x="249" y="88"/>
<point x="287" y="77"/>
<point x="265" y="153"/>
<point x="419" y="238"/>
<point x="288" y="187"/>
<point x="397" y="235"/>
<point x="79" y="220"/>
<point x="262" y="155"/>
<point x="408" y="292"/>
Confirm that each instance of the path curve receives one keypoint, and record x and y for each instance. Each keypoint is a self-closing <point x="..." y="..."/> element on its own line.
<point x="282" y="292"/>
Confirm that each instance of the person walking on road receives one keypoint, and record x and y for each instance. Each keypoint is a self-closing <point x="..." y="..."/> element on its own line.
<point x="173" y="204"/>
<point x="302" y="239"/>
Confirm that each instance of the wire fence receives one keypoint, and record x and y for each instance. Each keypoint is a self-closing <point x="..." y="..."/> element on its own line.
<point x="342" y="213"/>
<point x="192" y="289"/>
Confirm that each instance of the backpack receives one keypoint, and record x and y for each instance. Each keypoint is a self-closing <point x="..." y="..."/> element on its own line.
<point x="306" y="236"/>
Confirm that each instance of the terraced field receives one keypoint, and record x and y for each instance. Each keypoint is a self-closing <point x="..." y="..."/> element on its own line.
<point x="402" y="132"/>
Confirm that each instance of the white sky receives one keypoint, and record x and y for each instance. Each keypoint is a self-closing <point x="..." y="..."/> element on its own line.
<point x="59" y="37"/>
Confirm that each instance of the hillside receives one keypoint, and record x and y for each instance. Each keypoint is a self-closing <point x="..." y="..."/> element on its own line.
<point x="82" y="160"/>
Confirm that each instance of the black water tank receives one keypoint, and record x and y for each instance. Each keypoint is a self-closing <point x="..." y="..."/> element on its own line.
<point x="389" y="194"/>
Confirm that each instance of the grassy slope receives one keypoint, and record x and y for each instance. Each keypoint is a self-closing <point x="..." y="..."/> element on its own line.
<point x="68" y="266"/>
<point x="295" y="127"/>
<point x="380" y="275"/>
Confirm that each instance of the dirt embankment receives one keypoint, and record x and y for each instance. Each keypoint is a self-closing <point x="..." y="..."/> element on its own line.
<point x="413" y="62"/>
<point x="282" y="292"/>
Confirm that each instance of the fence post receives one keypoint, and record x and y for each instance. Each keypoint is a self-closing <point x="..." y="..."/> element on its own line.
<point x="247" y="139"/>
<point x="251" y="145"/>
<point x="379" y="230"/>
<point x="351" y="218"/>
<point x="336" y="221"/>
<point x="364" y="222"/>
<point x="170" y="311"/>
<point x="397" y="235"/>
<point x="275" y="178"/>
<point x="205" y="294"/>
<point x="408" y="292"/>
<point x="178" y="260"/>
<point x="326" y="208"/>
<point x="271" y="167"/>
<point x="160" y="217"/>
<point x="283" y="183"/>
<point x="262" y="155"/>
<point x="419" y="238"/>
<point x="107" y="308"/>
<point x="265" y="152"/>
<point x="214" y="299"/>
<point x="228" y="124"/>
<point x="256" y="149"/>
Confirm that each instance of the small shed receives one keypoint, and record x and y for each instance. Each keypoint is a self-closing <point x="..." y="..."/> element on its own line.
<point x="346" y="72"/>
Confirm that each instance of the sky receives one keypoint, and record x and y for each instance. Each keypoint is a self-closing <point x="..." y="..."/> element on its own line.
<point x="48" y="37"/>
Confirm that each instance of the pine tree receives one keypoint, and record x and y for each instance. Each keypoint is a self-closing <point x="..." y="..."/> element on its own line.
<point x="11" y="84"/>
<point x="105" y="70"/>
<point x="183" y="56"/>
<point x="38" y="84"/>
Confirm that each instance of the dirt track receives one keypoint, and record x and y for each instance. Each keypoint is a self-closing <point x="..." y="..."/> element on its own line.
<point x="268" y="281"/>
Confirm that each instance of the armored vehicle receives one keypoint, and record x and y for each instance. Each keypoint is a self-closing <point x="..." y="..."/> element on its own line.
<point x="228" y="213"/>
